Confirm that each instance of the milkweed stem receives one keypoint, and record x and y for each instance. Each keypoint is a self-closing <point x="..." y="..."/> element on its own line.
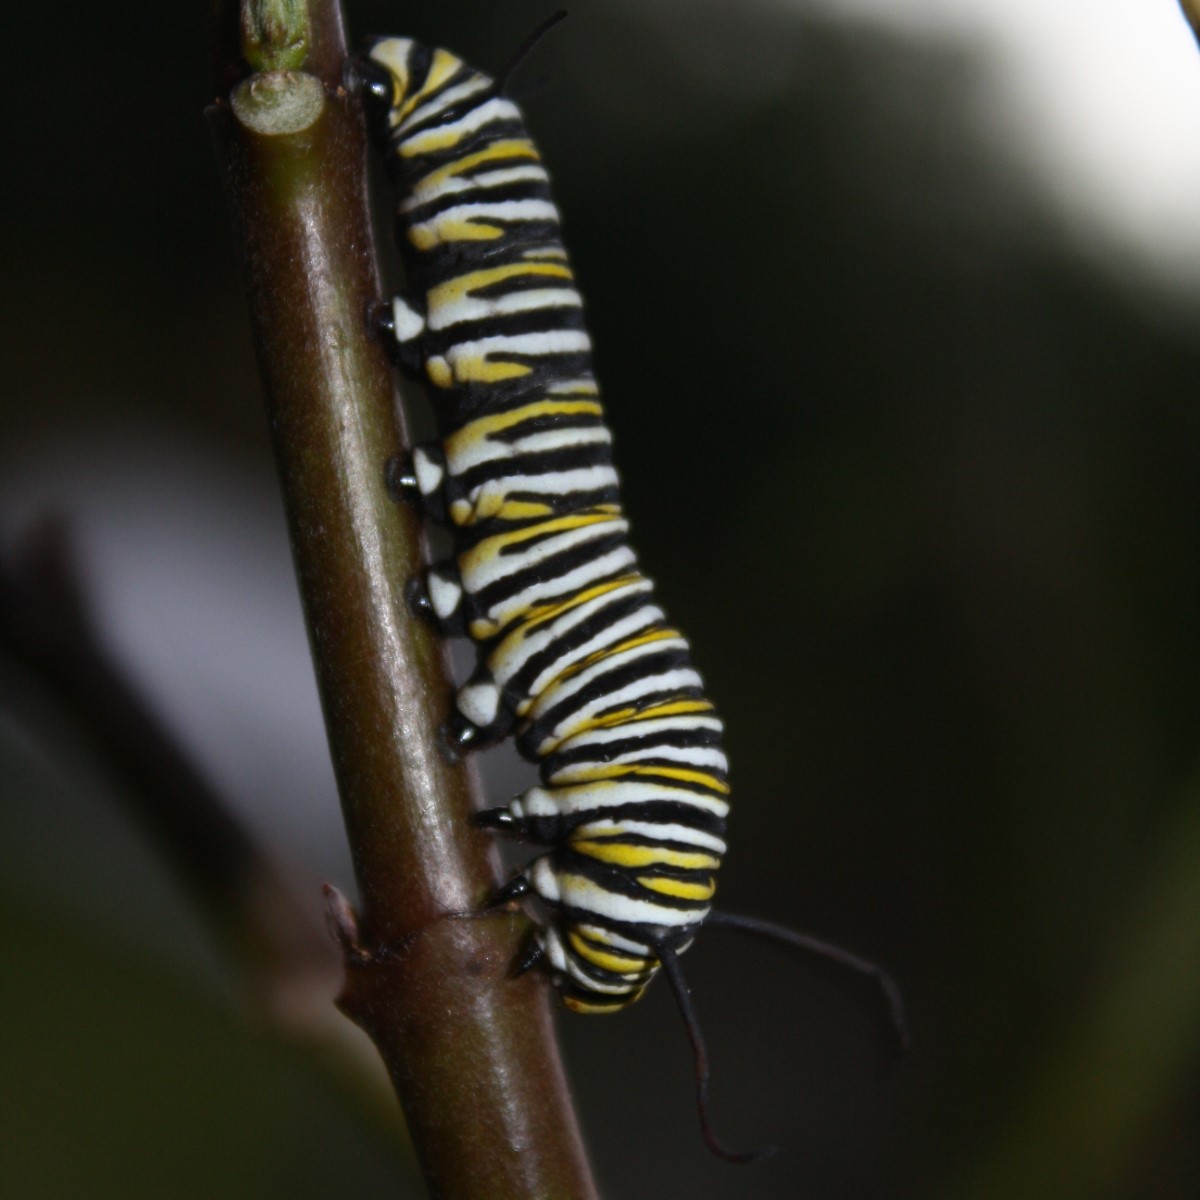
<point x="470" y="1051"/>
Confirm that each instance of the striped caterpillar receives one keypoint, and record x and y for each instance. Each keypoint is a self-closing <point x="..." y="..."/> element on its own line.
<point x="576" y="659"/>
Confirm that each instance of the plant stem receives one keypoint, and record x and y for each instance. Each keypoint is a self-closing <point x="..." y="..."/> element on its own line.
<point x="470" y="1050"/>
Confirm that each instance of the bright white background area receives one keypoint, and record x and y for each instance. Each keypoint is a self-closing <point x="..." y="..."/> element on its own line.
<point x="1101" y="96"/>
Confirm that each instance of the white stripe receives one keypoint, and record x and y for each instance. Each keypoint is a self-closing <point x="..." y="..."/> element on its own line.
<point x="393" y="54"/>
<point x="496" y="109"/>
<point x="584" y="387"/>
<point x="556" y="483"/>
<point x="668" y="682"/>
<point x="530" y="173"/>
<point x="488" y="449"/>
<point x="700" y="757"/>
<point x="425" y="192"/>
<point x="487" y="564"/>
<point x="582" y="479"/>
<point x="534" y="345"/>
<point x="580" y="892"/>
<point x="559" y="692"/>
<point x="442" y="101"/>
<point x="516" y="650"/>
<point x="472" y="308"/>
<point x="685" y="721"/>
<point x="614" y="985"/>
<point x="659" y="833"/>
<point x="614" y="940"/>
<point x="615" y="562"/>
<point x="609" y="793"/>
<point x="641" y="618"/>
<point x="503" y="210"/>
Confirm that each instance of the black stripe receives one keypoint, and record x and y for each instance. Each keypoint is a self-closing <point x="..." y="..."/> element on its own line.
<point x="555" y="830"/>
<point x="622" y="881"/>
<point x="601" y="752"/>
<point x="554" y="567"/>
<point x="533" y="463"/>
<point x="650" y="843"/>
<point x="410" y="168"/>
<point x="610" y="681"/>
<point x="547" y="421"/>
<point x="519" y="189"/>
<point x="548" y="319"/>
<point x="565" y="648"/>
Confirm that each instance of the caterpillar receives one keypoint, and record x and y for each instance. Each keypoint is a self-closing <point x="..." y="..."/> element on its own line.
<point x="575" y="657"/>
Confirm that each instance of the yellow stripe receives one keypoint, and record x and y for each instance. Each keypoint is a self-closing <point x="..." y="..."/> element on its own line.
<point x="540" y="614"/>
<point x="497" y="423"/>
<point x="479" y="368"/>
<point x="623" y="854"/>
<point x="435" y="233"/>
<point x="679" y="889"/>
<point x="481" y="629"/>
<point x="601" y="772"/>
<point x="492" y="505"/>
<point x="505" y="148"/>
<point x="641" y="639"/>
<point x="674" y="708"/>
<point x="615" y="1003"/>
<point x="605" y="959"/>
<point x="438" y="372"/>
<point x="441" y="67"/>
<point x="681" y="774"/>
<point x="481" y="428"/>
<point x="455" y="289"/>
<point x="599" y="656"/>
<point x="490" y="547"/>
<point x="623" y="716"/>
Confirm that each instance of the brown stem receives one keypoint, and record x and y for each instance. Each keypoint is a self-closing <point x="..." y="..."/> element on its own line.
<point x="470" y="1050"/>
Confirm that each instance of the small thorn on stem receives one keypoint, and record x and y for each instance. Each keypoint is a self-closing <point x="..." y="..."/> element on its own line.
<point x="342" y="923"/>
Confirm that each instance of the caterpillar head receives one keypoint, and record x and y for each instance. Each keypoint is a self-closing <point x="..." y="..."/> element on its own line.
<point x="405" y="81"/>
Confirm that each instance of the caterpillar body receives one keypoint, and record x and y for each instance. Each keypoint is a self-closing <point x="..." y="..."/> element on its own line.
<point x="575" y="654"/>
<point x="575" y="657"/>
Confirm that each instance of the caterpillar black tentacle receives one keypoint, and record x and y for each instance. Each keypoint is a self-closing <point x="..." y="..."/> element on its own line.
<point x="575" y="656"/>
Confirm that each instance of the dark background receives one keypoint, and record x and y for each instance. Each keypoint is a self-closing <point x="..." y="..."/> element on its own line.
<point x="913" y="459"/>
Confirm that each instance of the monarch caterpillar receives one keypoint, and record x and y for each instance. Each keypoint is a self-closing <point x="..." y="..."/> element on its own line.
<point x="575" y="657"/>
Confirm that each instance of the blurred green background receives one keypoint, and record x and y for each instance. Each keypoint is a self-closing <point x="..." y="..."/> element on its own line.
<point x="914" y="456"/>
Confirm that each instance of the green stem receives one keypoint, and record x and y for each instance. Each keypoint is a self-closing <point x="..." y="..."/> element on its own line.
<point x="470" y="1050"/>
